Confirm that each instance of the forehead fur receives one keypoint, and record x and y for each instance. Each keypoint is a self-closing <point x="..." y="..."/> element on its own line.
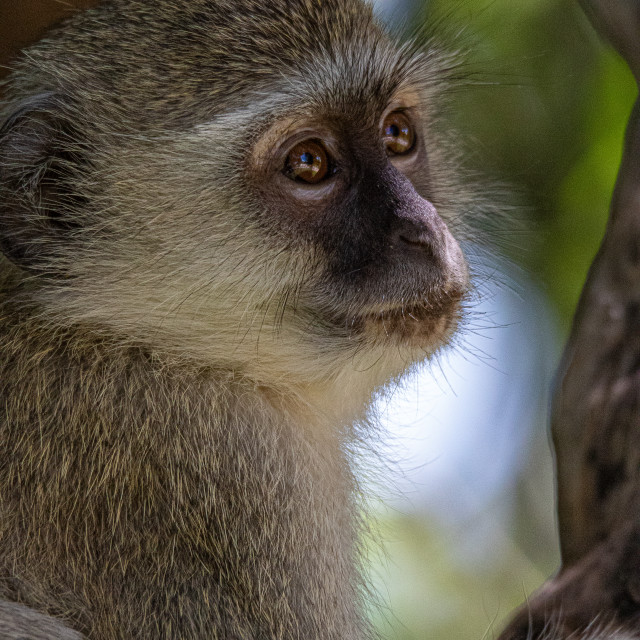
<point x="183" y="61"/>
<point x="178" y="58"/>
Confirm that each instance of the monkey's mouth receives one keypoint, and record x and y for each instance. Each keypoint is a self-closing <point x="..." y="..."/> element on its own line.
<point x="418" y="324"/>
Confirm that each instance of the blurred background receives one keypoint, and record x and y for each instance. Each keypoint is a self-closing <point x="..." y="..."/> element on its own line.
<point x="467" y="505"/>
<point x="463" y="529"/>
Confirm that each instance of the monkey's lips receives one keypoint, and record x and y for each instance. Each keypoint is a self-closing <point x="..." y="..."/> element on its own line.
<point x="421" y="324"/>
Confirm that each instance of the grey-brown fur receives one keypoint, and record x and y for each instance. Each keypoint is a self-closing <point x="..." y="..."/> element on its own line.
<point x="183" y="368"/>
<point x="140" y="520"/>
<point x="16" y="620"/>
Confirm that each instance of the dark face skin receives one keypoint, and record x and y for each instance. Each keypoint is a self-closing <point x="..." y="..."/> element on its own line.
<point x="346" y="190"/>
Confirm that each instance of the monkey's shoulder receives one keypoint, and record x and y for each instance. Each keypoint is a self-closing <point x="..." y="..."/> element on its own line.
<point x="19" y="622"/>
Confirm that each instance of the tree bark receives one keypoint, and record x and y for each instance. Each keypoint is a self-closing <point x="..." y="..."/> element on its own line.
<point x="23" y="23"/>
<point x="595" y="419"/>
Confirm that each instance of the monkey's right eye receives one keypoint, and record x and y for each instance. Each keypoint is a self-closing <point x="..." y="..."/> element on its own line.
<point x="307" y="162"/>
<point x="398" y="134"/>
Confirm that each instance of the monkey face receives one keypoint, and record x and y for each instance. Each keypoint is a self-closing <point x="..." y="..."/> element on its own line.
<point x="390" y="270"/>
<point x="279" y="201"/>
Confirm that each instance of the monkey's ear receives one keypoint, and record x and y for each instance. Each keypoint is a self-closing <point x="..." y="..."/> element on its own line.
<point x="39" y="165"/>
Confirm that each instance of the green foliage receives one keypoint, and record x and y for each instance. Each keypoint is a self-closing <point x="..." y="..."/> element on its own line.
<point x="547" y="115"/>
<point x="582" y="201"/>
<point x="545" y="112"/>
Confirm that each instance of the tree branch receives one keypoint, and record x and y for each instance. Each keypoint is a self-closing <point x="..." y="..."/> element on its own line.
<point x="596" y="407"/>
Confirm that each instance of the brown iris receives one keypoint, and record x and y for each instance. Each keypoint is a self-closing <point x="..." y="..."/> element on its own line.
<point x="308" y="162"/>
<point x="398" y="134"/>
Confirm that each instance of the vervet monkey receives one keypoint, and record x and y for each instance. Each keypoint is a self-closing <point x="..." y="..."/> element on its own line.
<point x="226" y="224"/>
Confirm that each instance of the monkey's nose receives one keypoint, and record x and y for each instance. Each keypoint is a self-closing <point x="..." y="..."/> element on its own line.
<point x="418" y="227"/>
<point x="420" y="236"/>
<point x="415" y="236"/>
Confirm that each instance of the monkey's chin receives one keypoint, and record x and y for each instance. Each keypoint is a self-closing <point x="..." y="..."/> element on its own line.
<point x="419" y="326"/>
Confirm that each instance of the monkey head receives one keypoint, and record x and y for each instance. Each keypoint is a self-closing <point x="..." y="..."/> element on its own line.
<point x="258" y="186"/>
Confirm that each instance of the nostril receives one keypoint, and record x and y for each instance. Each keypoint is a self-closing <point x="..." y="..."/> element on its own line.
<point x="418" y="245"/>
<point x="417" y="240"/>
<point x="414" y="234"/>
<point x="422" y="242"/>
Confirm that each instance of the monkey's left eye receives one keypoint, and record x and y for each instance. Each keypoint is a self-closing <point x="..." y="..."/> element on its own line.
<point x="308" y="162"/>
<point x="398" y="134"/>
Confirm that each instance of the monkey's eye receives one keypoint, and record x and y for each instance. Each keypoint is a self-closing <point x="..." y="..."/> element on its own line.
<point x="398" y="134"/>
<point x="307" y="162"/>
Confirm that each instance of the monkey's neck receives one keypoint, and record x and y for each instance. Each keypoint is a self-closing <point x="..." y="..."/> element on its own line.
<point x="153" y="501"/>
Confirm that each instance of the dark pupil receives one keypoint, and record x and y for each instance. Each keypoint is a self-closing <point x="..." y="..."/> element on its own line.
<point x="307" y="158"/>
<point x="393" y="131"/>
